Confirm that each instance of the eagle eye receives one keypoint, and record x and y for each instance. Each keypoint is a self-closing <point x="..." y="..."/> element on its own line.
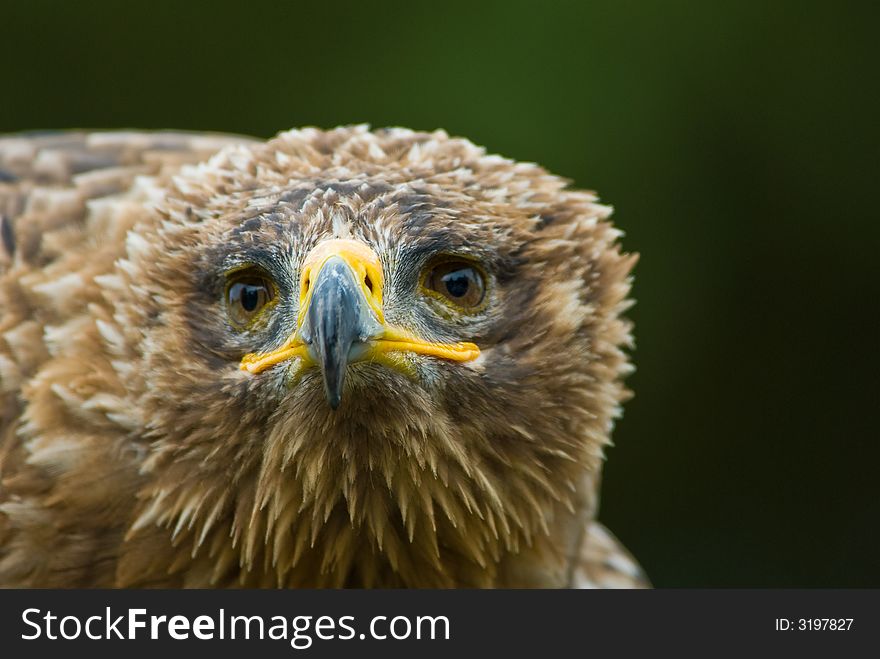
<point x="247" y="293"/>
<point x="460" y="283"/>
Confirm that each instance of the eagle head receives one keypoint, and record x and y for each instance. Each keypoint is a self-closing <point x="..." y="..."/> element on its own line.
<point x="368" y="358"/>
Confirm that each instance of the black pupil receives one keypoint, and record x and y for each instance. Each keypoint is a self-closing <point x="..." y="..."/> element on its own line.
<point x="250" y="296"/>
<point x="458" y="281"/>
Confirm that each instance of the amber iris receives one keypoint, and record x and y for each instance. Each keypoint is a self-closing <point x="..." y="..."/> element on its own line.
<point x="459" y="282"/>
<point x="245" y="298"/>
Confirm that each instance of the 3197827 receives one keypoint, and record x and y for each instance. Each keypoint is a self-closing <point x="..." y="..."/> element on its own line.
<point x="813" y="624"/>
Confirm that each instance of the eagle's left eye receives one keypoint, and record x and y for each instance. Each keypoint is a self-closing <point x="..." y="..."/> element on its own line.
<point x="247" y="295"/>
<point x="460" y="283"/>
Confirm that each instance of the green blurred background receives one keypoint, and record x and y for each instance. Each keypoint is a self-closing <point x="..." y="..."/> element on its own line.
<point x="738" y="143"/>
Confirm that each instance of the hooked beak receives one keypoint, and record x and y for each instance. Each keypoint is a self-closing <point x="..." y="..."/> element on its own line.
<point x="341" y="319"/>
<point x="338" y="324"/>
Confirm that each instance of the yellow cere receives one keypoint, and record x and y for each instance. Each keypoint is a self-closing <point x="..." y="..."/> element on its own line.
<point x="359" y="257"/>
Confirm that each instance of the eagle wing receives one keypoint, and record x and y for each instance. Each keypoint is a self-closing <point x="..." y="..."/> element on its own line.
<point x="63" y="220"/>
<point x="604" y="562"/>
<point x="47" y="178"/>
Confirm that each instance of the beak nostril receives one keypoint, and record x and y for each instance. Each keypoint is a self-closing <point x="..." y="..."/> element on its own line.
<point x="368" y="282"/>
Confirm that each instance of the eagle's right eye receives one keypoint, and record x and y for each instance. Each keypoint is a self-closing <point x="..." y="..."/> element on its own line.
<point x="246" y="296"/>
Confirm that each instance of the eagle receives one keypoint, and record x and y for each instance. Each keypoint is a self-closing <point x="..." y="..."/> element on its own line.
<point x="337" y="358"/>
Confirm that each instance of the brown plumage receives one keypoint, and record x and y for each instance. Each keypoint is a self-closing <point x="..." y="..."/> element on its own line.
<point x="171" y="353"/>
